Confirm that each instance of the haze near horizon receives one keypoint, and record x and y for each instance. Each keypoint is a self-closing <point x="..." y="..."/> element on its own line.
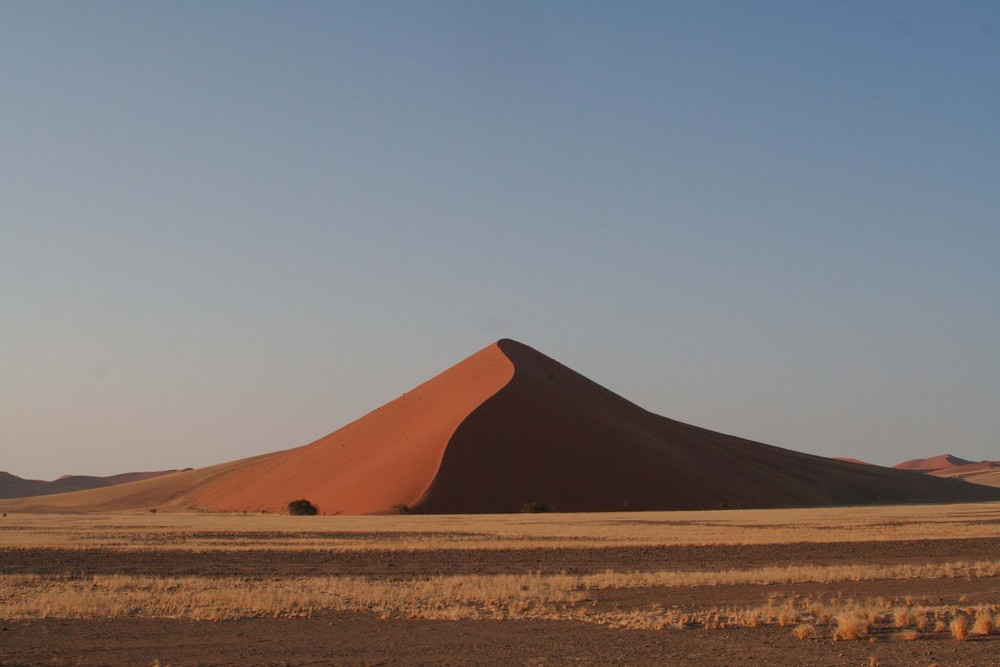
<point x="232" y="228"/>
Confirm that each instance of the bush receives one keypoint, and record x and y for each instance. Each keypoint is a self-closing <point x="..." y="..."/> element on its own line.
<point x="535" y="507"/>
<point x="302" y="508"/>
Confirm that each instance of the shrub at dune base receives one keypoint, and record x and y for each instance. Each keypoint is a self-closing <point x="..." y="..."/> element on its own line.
<point x="302" y="508"/>
<point x="536" y="507"/>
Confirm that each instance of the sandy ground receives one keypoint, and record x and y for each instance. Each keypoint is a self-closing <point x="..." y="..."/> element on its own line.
<point x="339" y="639"/>
<point x="405" y="564"/>
<point x="364" y="639"/>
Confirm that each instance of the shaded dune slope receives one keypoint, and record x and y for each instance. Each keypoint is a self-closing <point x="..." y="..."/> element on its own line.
<point x="553" y="436"/>
<point x="509" y="426"/>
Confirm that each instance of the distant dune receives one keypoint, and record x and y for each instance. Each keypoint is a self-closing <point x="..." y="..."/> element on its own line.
<point x="985" y="472"/>
<point x="12" y="486"/>
<point x="940" y="462"/>
<point x="509" y="426"/>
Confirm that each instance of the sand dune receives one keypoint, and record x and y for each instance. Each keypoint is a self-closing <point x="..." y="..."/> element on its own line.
<point x="848" y="459"/>
<point x="553" y="436"/>
<point x="510" y="426"/>
<point x="12" y="486"/>
<point x="940" y="462"/>
<point x="984" y="472"/>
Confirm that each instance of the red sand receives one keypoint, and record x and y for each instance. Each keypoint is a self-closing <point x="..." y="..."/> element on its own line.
<point x="940" y="462"/>
<point x="984" y="472"/>
<point x="553" y="436"/>
<point x="509" y="426"/>
<point x="382" y="461"/>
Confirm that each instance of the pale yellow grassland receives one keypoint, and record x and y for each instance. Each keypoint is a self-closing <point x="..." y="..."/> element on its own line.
<point x="201" y="532"/>
<point x="501" y="597"/>
<point x="38" y="595"/>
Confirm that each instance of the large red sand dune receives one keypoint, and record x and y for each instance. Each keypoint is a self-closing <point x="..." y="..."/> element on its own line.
<point x="510" y="426"/>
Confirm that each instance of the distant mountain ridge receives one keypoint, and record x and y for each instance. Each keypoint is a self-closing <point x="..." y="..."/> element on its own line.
<point x="12" y="486"/>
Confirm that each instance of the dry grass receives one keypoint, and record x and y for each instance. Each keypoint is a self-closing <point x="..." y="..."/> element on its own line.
<point x="805" y="631"/>
<point x="202" y="532"/>
<point x="794" y="574"/>
<point x="789" y="614"/>
<point x="520" y="596"/>
<point x="959" y="627"/>
<point x="984" y="622"/>
<point x="219" y="598"/>
<point x="500" y="597"/>
<point x="851" y="625"/>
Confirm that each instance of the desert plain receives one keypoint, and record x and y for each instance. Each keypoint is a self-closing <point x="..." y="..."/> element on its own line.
<point x="889" y="585"/>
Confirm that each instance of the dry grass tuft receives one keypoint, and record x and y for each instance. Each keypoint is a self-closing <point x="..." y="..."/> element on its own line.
<point x="805" y="631"/>
<point x="788" y="614"/>
<point x="984" y="622"/>
<point x="906" y="636"/>
<point x="940" y="626"/>
<point x="960" y="627"/>
<point x="851" y="626"/>
<point x="901" y="617"/>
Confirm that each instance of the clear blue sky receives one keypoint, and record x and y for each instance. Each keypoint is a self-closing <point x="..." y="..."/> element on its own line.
<point x="232" y="227"/>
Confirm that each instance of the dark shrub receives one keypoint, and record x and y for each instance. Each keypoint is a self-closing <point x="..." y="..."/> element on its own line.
<point x="535" y="507"/>
<point x="302" y="508"/>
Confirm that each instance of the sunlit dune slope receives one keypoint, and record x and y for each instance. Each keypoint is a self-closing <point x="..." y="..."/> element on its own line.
<point x="379" y="463"/>
<point x="509" y="426"/>
<point x="384" y="460"/>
